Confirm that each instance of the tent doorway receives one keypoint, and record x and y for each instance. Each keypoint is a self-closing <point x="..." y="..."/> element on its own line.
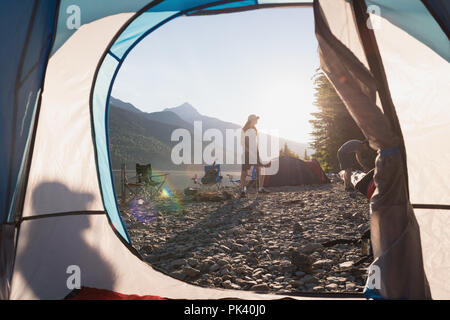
<point x="273" y="243"/>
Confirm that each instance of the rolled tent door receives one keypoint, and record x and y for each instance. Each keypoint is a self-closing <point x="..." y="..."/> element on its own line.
<point x="397" y="271"/>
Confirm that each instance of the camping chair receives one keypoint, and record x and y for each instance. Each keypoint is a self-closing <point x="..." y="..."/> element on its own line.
<point x="147" y="183"/>
<point x="212" y="176"/>
<point x="252" y="181"/>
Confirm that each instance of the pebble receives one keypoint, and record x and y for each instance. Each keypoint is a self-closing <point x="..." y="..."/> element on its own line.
<point x="271" y="245"/>
<point x="260" y="287"/>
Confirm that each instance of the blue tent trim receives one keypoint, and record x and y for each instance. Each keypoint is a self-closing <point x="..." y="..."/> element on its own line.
<point x="413" y="17"/>
<point x="21" y="81"/>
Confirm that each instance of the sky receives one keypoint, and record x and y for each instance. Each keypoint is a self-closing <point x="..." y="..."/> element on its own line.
<point x="229" y="66"/>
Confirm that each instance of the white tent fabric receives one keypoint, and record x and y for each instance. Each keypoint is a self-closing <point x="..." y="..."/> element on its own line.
<point x="435" y="235"/>
<point x="425" y="121"/>
<point x="418" y="81"/>
<point x="89" y="242"/>
<point x="63" y="219"/>
<point x="341" y="23"/>
<point x="65" y="120"/>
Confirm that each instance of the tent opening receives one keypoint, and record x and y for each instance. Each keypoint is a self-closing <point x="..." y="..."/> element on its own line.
<point x="203" y="76"/>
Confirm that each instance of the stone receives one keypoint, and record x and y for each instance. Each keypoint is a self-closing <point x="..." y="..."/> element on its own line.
<point x="260" y="287"/>
<point x="317" y="288"/>
<point x="346" y="265"/>
<point x="350" y="286"/>
<point x="310" y="248"/>
<point x="243" y="249"/>
<point x="214" y="268"/>
<point x="323" y="264"/>
<point x="331" y="286"/>
<point x="301" y="262"/>
<point x="147" y="249"/>
<point x="298" y="283"/>
<point x="224" y="271"/>
<point x="308" y="278"/>
<point x="224" y="248"/>
<point x="298" y="227"/>
<point x="299" y="274"/>
<point x="177" y="263"/>
<point x="336" y="279"/>
<point x="257" y="274"/>
<point x="227" y="284"/>
<point x="191" y="272"/>
<point x="192" y="262"/>
<point x="222" y="262"/>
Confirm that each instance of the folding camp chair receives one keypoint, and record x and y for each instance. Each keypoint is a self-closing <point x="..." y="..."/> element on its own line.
<point x="252" y="181"/>
<point x="147" y="184"/>
<point x="212" y="176"/>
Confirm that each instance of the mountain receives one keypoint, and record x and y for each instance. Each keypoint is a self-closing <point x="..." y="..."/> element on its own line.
<point x="138" y="139"/>
<point x="123" y="105"/>
<point x="137" y="136"/>
<point x="185" y="111"/>
<point x="169" y="118"/>
<point x="189" y="114"/>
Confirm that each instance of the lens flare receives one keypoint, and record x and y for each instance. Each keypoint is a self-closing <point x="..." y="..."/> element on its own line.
<point x="147" y="210"/>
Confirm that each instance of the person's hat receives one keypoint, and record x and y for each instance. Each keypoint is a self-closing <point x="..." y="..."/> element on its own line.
<point x="253" y="117"/>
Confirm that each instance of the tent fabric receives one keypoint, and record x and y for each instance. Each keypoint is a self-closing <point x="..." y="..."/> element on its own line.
<point x="423" y="114"/>
<point x="58" y="170"/>
<point x="86" y="293"/>
<point x="395" y="233"/>
<point x="440" y="9"/>
<point x="87" y="241"/>
<point x="435" y="236"/>
<point x="418" y="79"/>
<point x="293" y="172"/>
<point x="56" y="175"/>
<point x="407" y="15"/>
<point x="24" y="58"/>
<point x="317" y="169"/>
<point x="7" y="245"/>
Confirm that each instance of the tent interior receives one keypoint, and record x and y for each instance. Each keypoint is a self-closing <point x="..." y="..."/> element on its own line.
<point x="388" y="61"/>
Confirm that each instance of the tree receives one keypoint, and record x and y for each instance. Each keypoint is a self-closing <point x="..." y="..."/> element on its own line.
<point x="286" y="152"/>
<point x="306" y="157"/>
<point x="332" y="126"/>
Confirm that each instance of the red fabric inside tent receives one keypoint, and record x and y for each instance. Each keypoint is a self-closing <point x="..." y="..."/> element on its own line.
<point x="86" y="293"/>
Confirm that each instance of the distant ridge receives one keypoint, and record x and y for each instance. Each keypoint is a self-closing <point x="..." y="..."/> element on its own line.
<point x="123" y="105"/>
<point x="137" y="136"/>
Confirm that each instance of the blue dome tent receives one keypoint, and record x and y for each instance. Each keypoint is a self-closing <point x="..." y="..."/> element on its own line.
<point x="388" y="60"/>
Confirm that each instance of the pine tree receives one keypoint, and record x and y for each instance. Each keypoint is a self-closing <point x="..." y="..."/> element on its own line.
<point x="286" y="152"/>
<point x="306" y="157"/>
<point x="332" y="126"/>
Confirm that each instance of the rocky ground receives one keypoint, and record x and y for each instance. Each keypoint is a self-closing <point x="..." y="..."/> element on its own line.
<point x="293" y="240"/>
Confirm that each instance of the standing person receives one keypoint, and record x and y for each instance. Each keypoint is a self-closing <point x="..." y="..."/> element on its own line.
<point x="250" y="144"/>
<point x="345" y="157"/>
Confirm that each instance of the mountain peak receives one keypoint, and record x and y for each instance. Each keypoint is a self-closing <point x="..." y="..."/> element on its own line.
<point x="185" y="111"/>
<point x="185" y="107"/>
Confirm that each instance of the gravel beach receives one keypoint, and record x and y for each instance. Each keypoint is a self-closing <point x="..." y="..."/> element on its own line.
<point x="292" y="240"/>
